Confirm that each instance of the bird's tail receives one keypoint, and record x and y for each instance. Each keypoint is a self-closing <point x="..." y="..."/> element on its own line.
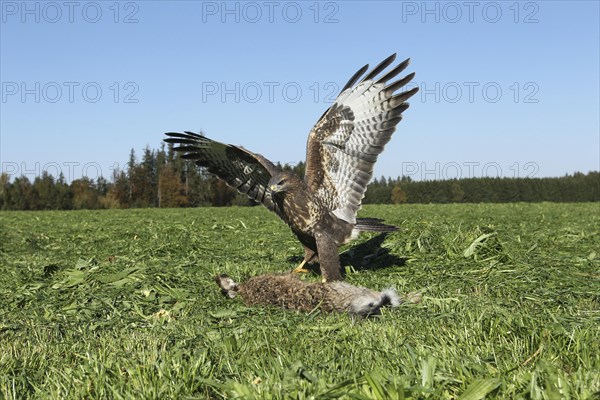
<point x="374" y="225"/>
<point x="228" y="286"/>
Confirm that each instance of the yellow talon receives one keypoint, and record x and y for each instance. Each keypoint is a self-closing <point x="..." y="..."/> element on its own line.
<point x="300" y="268"/>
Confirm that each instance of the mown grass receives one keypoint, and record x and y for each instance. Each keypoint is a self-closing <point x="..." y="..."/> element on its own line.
<point x="122" y="304"/>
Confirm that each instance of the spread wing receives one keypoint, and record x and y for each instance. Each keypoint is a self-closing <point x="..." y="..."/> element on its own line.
<point x="241" y="169"/>
<point x="344" y="144"/>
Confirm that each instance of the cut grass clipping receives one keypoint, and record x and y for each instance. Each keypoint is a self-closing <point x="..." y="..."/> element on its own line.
<point x="122" y="304"/>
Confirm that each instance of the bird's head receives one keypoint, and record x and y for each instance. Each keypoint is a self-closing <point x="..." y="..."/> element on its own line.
<point x="282" y="182"/>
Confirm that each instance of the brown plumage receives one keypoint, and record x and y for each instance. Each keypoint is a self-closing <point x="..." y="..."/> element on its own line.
<point x="342" y="149"/>
<point x="286" y="290"/>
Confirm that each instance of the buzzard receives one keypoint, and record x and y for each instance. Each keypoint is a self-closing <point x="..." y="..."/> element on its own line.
<point x="341" y="151"/>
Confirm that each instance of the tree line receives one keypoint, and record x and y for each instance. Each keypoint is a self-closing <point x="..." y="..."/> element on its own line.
<point x="161" y="178"/>
<point x="578" y="187"/>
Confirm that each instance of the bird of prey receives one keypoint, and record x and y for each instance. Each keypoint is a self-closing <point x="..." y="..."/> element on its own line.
<point x="341" y="151"/>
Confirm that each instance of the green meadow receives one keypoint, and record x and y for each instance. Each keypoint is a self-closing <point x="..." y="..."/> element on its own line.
<point x="121" y="304"/>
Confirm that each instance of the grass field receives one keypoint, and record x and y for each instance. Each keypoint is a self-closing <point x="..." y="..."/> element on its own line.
<point x="122" y="304"/>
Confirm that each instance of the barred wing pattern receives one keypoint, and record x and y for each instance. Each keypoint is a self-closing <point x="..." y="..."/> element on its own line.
<point x="239" y="168"/>
<point x="344" y="144"/>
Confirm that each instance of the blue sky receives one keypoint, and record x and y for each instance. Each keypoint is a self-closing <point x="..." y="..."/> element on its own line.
<point x="507" y="88"/>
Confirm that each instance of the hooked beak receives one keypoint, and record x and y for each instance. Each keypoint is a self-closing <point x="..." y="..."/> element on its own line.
<point x="275" y="188"/>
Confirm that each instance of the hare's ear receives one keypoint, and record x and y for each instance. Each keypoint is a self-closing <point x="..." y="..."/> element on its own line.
<point x="389" y="297"/>
<point x="366" y="305"/>
<point x="228" y="286"/>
